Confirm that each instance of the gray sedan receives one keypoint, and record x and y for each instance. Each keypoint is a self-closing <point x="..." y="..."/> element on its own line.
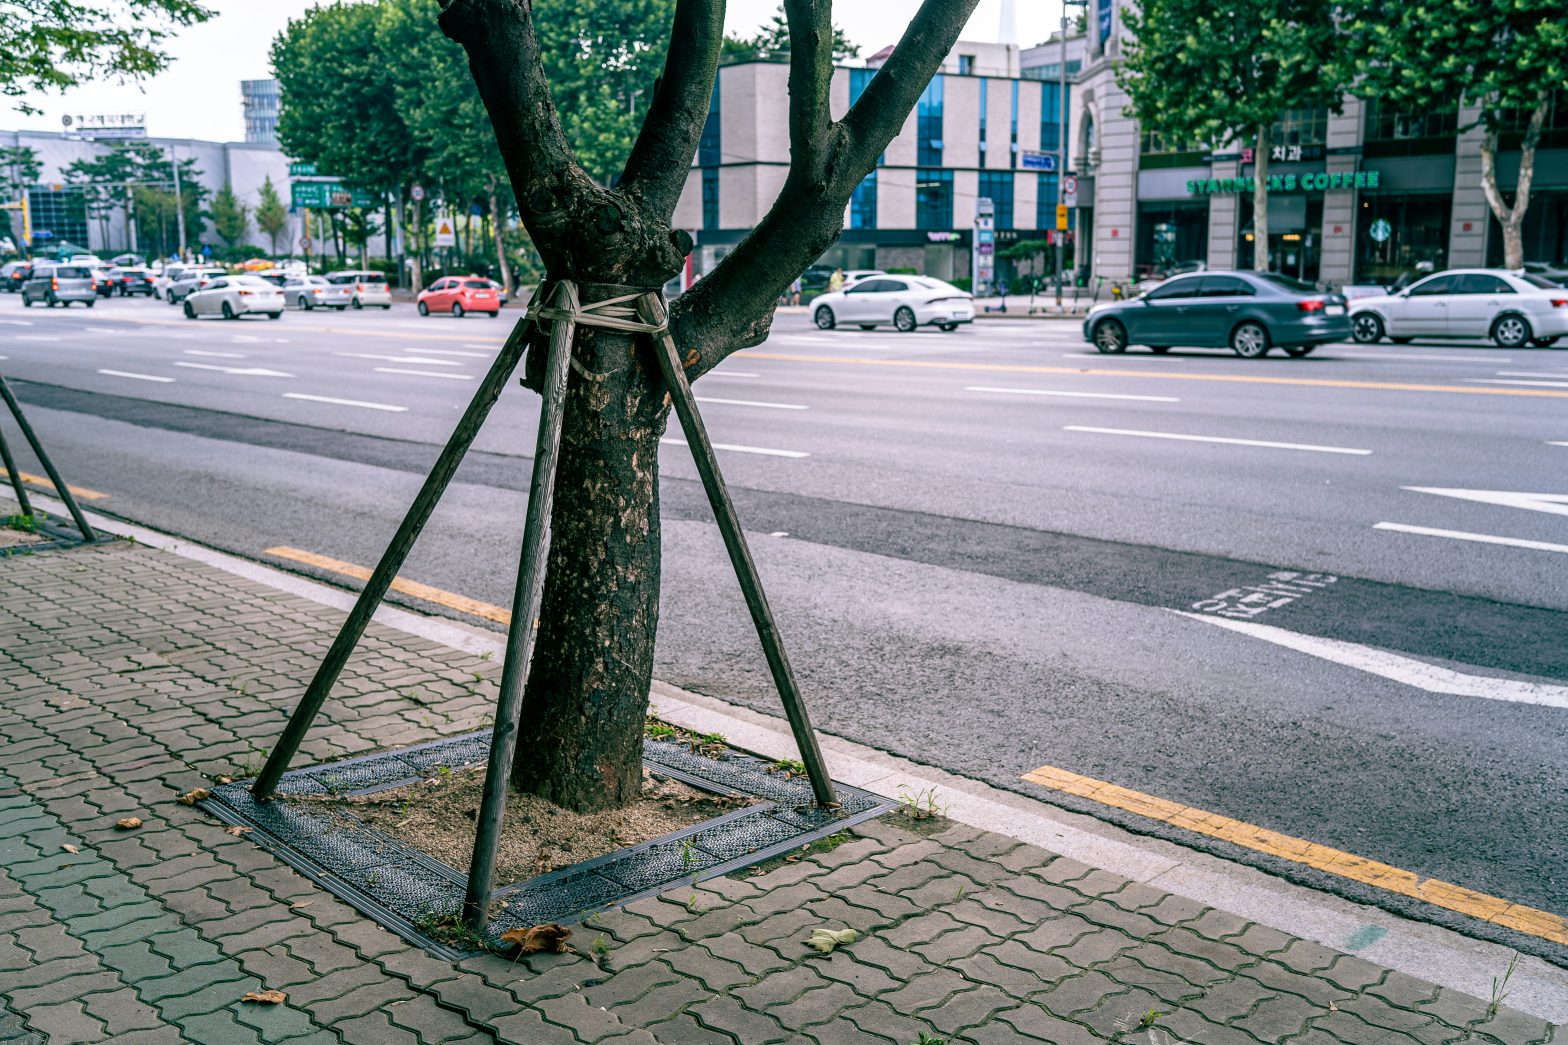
<point x="1249" y="312"/>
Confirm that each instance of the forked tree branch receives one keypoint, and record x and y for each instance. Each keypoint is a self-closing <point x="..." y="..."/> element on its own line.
<point x="732" y="307"/>
<point x="660" y="160"/>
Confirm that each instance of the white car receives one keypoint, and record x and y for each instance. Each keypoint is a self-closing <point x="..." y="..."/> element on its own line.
<point x="189" y="281"/>
<point x="907" y="302"/>
<point x="1510" y="308"/>
<point x="308" y="292"/>
<point x="366" y="288"/>
<point x="234" y="296"/>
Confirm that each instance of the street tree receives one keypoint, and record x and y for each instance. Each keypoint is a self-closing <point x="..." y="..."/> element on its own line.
<point x="272" y="218"/>
<point x="230" y="217"/>
<point x="1500" y="59"/>
<point x="62" y="43"/>
<point x="771" y="42"/>
<point x="20" y="170"/>
<point x="1215" y="72"/>
<point x="580" y="740"/>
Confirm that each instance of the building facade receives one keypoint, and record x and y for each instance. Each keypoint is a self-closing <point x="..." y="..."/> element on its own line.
<point x="1362" y="196"/>
<point x="260" y="100"/>
<point x="981" y="131"/>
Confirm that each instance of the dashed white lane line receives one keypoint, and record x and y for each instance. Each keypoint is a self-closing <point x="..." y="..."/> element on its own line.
<point x="423" y="373"/>
<point x="1392" y="666"/>
<point x="454" y="352"/>
<point x="1490" y="381"/>
<point x="335" y="401"/>
<point x="34" y="337"/>
<point x="1182" y="437"/>
<point x="1549" y="443"/>
<point x="752" y="402"/>
<point x="736" y="448"/>
<point x="1072" y="395"/>
<point x="423" y="360"/>
<point x="1478" y="538"/>
<point x="729" y="373"/>
<point x="1560" y="375"/>
<point x="17" y="322"/>
<point x="137" y="377"/>
<point x="101" y="330"/>
<point x="214" y="355"/>
<point x="242" y="371"/>
<point x="1396" y="357"/>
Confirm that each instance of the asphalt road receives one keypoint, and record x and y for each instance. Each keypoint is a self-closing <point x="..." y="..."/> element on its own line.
<point x="991" y="550"/>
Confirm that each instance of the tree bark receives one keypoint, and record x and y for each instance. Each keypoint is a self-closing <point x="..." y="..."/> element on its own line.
<point x="416" y="270"/>
<point x="1260" y="199"/>
<point x="1512" y="218"/>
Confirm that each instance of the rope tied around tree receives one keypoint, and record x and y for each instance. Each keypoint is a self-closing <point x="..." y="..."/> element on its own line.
<point x="620" y="313"/>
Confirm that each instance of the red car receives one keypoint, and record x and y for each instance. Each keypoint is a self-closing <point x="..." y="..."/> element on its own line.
<point x="458" y="295"/>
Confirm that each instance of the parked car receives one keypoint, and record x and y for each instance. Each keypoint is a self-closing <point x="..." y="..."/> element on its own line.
<point x="129" y="280"/>
<point x="369" y="288"/>
<point x="1510" y="308"/>
<point x="61" y="285"/>
<point x="167" y="275"/>
<point x="1250" y="312"/>
<point x="234" y="296"/>
<point x="308" y="292"/>
<point x="1551" y="273"/>
<point x="13" y="274"/>
<point x="907" y="302"/>
<point x="189" y="281"/>
<point x="458" y="295"/>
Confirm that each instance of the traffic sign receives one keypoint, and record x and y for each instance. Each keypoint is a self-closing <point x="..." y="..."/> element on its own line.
<point x="1061" y="217"/>
<point x="302" y="170"/>
<point x="1037" y="161"/>
<point x="418" y="192"/>
<point x="446" y="235"/>
<point x="304" y="244"/>
<point x="321" y="195"/>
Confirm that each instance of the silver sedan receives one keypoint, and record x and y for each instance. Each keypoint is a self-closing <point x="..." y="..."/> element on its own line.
<point x="234" y="296"/>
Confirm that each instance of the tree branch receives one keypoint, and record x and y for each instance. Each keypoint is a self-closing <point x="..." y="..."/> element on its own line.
<point x="656" y="170"/>
<point x="732" y="307"/>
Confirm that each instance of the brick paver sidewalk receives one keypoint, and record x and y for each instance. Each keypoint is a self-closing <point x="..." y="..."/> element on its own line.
<point x="128" y="676"/>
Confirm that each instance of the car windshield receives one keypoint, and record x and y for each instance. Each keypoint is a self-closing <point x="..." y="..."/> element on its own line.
<point x="71" y="273"/>
<point x="1290" y="283"/>
<point x="373" y="277"/>
<point x="1539" y="281"/>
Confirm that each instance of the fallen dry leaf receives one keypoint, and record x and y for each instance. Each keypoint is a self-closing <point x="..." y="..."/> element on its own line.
<point x="68" y="847"/>
<point x="825" y="940"/>
<point x="301" y="903"/>
<point x="537" y="939"/>
<point x="266" y="997"/>
<point x="236" y="830"/>
<point x="129" y="823"/>
<point x="194" y="795"/>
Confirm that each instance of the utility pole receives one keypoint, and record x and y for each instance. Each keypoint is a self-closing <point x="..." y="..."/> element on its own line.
<point x="1061" y="151"/>
<point x="179" y="202"/>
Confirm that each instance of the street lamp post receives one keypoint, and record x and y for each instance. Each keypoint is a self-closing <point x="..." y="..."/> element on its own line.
<point x="179" y="203"/>
<point x="1061" y="142"/>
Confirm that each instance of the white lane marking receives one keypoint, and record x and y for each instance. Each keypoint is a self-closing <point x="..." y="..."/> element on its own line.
<point x="1555" y="503"/>
<point x="244" y="339"/>
<point x="1557" y="444"/>
<point x="137" y="377"/>
<point x="752" y="402"/>
<point x="1510" y="381"/>
<point x="1219" y="439"/>
<point x="5" y="357"/>
<point x="1479" y="538"/>
<point x="214" y="355"/>
<point x="454" y="352"/>
<point x="1392" y="666"/>
<point x="1560" y="375"/>
<point x="731" y="373"/>
<point x="344" y="402"/>
<point x="672" y="441"/>
<point x="422" y="373"/>
<point x="17" y="322"/>
<point x="425" y="360"/>
<point x="243" y="371"/>
<point x="1427" y="359"/>
<point x="101" y="330"/>
<point x="34" y="337"/>
<point x="1073" y="395"/>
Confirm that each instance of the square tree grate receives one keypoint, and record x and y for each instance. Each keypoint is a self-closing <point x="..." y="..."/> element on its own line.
<point x="402" y="888"/>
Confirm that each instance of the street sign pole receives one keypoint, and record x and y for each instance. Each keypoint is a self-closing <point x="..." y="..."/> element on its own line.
<point x="1061" y="151"/>
<point x="179" y="206"/>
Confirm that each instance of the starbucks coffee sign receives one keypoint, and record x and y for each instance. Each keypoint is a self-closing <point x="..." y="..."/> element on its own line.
<point x="1309" y="182"/>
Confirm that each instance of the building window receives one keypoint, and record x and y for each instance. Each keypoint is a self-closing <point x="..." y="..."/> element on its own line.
<point x="708" y="146"/>
<point x="1392" y="133"/>
<point x="1171" y="236"/>
<point x="934" y="199"/>
<point x="710" y="197"/>
<point x="57" y="218"/>
<point x="1412" y="239"/>
<point x="966" y="65"/>
<point x="985" y="95"/>
<point x="1045" y="201"/>
<point x="1301" y="127"/>
<point x="928" y="125"/>
<point x="997" y="186"/>
<point x="863" y="204"/>
<point x="859" y="80"/>
<point x="1051" y="134"/>
<point x="1012" y="128"/>
<point x="1153" y="142"/>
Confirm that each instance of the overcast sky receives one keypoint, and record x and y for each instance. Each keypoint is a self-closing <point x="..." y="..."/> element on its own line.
<point x="198" y="96"/>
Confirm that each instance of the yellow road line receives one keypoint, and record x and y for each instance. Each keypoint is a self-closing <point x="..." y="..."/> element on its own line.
<point x="1451" y="897"/>
<point x="43" y="480"/>
<point x="1009" y="368"/>
<point x="451" y="600"/>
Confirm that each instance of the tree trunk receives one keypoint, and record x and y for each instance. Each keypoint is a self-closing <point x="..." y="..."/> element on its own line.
<point x="1260" y="199"/>
<point x="500" y="244"/>
<point x="579" y="743"/>
<point x="416" y="272"/>
<point x="1512" y="218"/>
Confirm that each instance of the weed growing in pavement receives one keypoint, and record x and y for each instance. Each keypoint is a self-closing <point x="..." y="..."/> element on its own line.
<point x="920" y="805"/>
<point x="926" y="1039"/>
<point x="788" y="766"/>
<point x="25" y="523"/>
<point x="1500" y="986"/>
<point x="446" y="927"/>
<point x="656" y="730"/>
<point x="488" y="654"/>
<point x="600" y="947"/>
<point x="1147" y="1019"/>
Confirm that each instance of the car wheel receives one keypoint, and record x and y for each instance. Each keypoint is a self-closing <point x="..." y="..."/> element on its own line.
<point x="190" y="311"/>
<point x="1250" y="340"/>
<point x="307" y="304"/>
<point x="27" y="302"/>
<point x="356" y="304"/>
<point x="274" y="315"/>
<point x="1159" y="350"/>
<point x="1367" y="328"/>
<point x="948" y="328"/>
<point x="1297" y="351"/>
<point x="494" y="314"/>
<point x="385" y="308"/>
<point x="1401" y="340"/>
<point x="228" y="310"/>
<point x="1511" y="331"/>
<point x="867" y="326"/>
<point x="1110" y="337"/>
<point x="824" y="317"/>
<point x="457" y="309"/>
<point x="904" y="320"/>
<point x="91" y="303"/>
<point x="424" y="309"/>
<point x="1543" y="342"/>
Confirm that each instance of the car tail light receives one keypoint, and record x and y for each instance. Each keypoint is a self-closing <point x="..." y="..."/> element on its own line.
<point x="246" y="293"/>
<point x="1560" y="302"/>
<point x="1310" y="305"/>
<point x="54" y="284"/>
<point x="359" y="288"/>
<point x="93" y="284"/>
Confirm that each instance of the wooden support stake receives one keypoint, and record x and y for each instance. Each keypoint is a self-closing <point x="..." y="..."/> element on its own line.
<point x="652" y="309"/>
<point x="43" y="459"/>
<point x="525" y="599"/>
<point x="15" y="477"/>
<point x="392" y="560"/>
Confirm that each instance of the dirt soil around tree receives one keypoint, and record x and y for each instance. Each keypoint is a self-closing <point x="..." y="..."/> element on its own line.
<point x="438" y="816"/>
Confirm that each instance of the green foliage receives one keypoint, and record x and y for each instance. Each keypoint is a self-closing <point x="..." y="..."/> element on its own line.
<point x="230" y="217"/>
<point x="57" y="44"/>
<point x="272" y="218"/>
<point x="771" y="43"/>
